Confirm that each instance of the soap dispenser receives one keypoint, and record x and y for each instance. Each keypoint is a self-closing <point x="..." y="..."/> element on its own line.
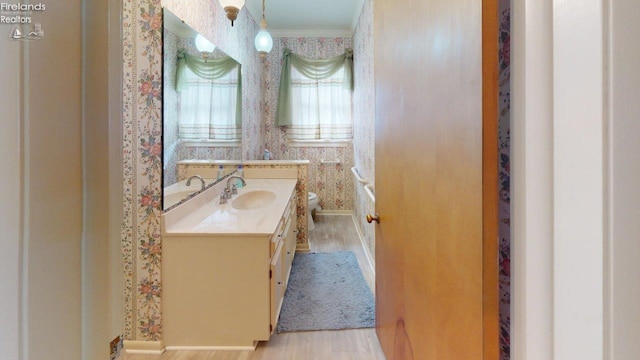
<point x="267" y="154"/>
<point x="241" y="174"/>
<point x="220" y="172"/>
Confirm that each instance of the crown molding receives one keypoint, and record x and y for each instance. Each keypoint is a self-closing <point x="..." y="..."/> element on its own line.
<point x="310" y="33"/>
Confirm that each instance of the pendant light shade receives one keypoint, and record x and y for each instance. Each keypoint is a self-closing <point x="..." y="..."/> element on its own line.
<point x="232" y="8"/>
<point x="203" y="45"/>
<point x="263" y="42"/>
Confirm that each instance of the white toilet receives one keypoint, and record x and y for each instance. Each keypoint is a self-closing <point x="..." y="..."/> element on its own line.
<point x="313" y="205"/>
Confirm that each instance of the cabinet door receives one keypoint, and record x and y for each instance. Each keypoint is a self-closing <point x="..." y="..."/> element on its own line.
<point x="277" y="284"/>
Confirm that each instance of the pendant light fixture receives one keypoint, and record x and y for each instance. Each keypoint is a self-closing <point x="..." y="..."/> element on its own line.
<point x="205" y="46"/>
<point x="263" y="41"/>
<point x="232" y="8"/>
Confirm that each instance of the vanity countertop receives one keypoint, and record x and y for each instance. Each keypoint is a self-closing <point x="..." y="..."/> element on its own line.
<point x="244" y="162"/>
<point x="205" y="216"/>
<point x="179" y="191"/>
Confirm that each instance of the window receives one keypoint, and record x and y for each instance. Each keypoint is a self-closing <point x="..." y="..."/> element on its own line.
<point x="314" y="99"/>
<point x="320" y="109"/>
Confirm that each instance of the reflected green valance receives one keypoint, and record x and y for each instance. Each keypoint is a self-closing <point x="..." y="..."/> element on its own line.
<point x="313" y="69"/>
<point x="209" y="69"/>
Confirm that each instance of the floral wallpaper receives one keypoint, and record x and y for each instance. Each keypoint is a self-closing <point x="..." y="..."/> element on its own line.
<point x="142" y="150"/>
<point x="364" y="121"/>
<point x="504" y="141"/>
<point x="332" y="182"/>
<point x="142" y="134"/>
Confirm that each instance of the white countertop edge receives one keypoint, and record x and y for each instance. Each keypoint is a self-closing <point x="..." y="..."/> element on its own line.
<point x="219" y="234"/>
<point x="244" y="162"/>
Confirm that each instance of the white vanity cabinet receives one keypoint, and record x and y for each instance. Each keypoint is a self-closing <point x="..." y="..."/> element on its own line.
<point x="284" y="243"/>
<point x="225" y="290"/>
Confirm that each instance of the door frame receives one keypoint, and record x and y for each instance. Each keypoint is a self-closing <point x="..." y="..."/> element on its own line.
<point x="490" y="220"/>
<point x="559" y="169"/>
<point x="490" y="231"/>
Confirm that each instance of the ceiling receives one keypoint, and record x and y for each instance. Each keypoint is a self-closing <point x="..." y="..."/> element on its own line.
<point x="307" y="17"/>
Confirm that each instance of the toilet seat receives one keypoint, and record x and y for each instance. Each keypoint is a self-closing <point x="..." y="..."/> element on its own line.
<point x="313" y="205"/>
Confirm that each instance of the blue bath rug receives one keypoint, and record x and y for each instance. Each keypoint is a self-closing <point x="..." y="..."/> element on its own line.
<point x="326" y="291"/>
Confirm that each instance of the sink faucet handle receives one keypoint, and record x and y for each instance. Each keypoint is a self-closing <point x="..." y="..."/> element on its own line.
<point x="224" y="196"/>
<point x="234" y="189"/>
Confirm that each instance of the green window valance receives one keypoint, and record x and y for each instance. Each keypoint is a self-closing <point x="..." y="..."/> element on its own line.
<point x="313" y="69"/>
<point x="209" y="69"/>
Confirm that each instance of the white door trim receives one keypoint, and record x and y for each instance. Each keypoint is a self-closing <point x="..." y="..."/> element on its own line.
<point x="558" y="171"/>
<point x="532" y="165"/>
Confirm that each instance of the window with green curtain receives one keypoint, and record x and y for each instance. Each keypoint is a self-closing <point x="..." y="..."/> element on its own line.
<point x="314" y="100"/>
<point x="210" y="98"/>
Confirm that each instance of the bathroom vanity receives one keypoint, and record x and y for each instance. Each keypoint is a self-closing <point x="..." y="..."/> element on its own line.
<point x="225" y="267"/>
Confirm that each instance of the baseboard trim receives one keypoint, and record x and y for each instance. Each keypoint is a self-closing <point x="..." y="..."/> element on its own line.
<point x="363" y="244"/>
<point x="334" y="212"/>
<point x="144" y="347"/>
<point x="303" y="247"/>
<point x="214" y="348"/>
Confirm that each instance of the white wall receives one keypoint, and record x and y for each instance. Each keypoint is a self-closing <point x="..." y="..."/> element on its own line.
<point x="102" y="290"/>
<point x="41" y="214"/>
<point x="10" y="198"/>
<point x="53" y="184"/>
<point x="116" y="278"/>
<point x="624" y="177"/>
<point x="42" y="162"/>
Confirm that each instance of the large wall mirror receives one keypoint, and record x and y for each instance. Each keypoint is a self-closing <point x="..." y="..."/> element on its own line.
<point x="202" y="107"/>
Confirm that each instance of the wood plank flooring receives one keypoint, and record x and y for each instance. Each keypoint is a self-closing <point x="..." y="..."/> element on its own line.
<point x="338" y="233"/>
<point x="332" y="233"/>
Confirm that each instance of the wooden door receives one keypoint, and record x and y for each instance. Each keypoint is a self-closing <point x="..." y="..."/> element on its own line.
<point x="436" y="178"/>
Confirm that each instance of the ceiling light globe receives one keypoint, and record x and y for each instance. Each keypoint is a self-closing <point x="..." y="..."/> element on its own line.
<point x="238" y="4"/>
<point x="204" y="45"/>
<point x="263" y="42"/>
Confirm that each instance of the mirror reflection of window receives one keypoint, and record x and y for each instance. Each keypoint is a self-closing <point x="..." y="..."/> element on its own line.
<point x="207" y="108"/>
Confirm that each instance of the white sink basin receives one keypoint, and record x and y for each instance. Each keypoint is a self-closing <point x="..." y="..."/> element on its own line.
<point x="253" y="200"/>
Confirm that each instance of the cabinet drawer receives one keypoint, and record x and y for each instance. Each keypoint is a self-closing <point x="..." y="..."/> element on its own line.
<point x="277" y="236"/>
<point x="282" y="230"/>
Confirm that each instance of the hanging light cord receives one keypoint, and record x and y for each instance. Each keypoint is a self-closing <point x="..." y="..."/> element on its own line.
<point x="263" y="23"/>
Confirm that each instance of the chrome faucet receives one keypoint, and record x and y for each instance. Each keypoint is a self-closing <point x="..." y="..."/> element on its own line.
<point x="196" y="177"/>
<point x="233" y="190"/>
